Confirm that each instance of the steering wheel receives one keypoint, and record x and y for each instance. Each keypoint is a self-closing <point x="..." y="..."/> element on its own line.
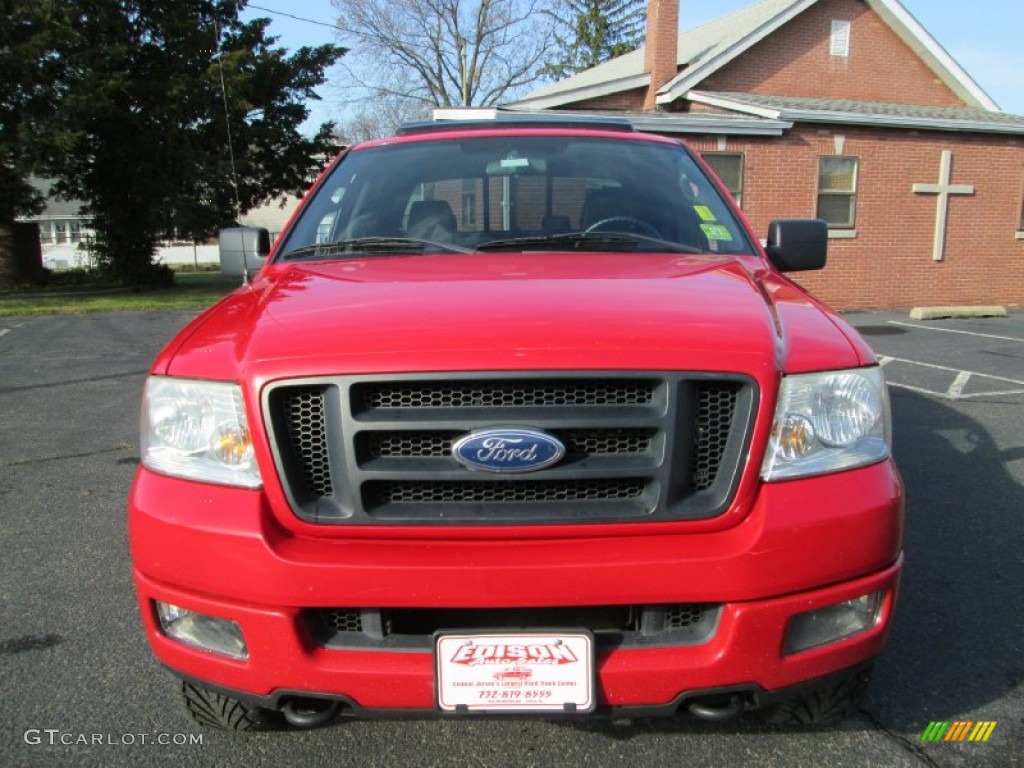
<point x="638" y="226"/>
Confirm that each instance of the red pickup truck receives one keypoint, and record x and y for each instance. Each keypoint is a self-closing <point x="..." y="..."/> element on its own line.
<point x="518" y="394"/>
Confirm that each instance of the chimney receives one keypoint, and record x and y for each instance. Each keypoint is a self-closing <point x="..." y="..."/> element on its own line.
<point x="660" y="50"/>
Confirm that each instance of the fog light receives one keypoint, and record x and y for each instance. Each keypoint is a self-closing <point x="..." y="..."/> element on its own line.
<point x="827" y="625"/>
<point x="207" y="633"/>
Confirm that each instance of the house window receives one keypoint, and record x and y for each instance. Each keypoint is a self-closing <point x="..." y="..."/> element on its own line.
<point x="729" y="169"/>
<point x="468" y="202"/>
<point x="840" y="41"/>
<point x="45" y="233"/>
<point x="75" y="232"/>
<point x="837" y="190"/>
<point x="60" y="232"/>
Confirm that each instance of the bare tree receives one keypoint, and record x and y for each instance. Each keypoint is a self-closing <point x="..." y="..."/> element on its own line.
<point x="380" y="117"/>
<point x="443" y="53"/>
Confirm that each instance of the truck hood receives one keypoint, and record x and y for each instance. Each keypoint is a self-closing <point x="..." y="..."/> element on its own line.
<point x="535" y="311"/>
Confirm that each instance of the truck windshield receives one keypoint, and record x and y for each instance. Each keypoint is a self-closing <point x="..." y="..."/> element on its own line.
<point x="516" y="193"/>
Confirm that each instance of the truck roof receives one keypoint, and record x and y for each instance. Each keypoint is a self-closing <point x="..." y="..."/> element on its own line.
<point x="503" y="120"/>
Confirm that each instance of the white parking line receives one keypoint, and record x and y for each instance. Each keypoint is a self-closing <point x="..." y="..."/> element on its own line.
<point x="955" y="391"/>
<point x="8" y="330"/>
<point x="1004" y="393"/>
<point x="953" y="330"/>
<point x="957" y="387"/>
<point x="888" y="359"/>
<point x="947" y="396"/>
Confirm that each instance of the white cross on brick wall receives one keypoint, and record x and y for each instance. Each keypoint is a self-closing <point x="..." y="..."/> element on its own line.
<point x="943" y="189"/>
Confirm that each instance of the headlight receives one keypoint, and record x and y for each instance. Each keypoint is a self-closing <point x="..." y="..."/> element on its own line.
<point x="825" y="422"/>
<point x="197" y="430"/>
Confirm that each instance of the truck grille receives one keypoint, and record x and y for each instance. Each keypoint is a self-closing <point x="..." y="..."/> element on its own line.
<point x="359" y="450"/>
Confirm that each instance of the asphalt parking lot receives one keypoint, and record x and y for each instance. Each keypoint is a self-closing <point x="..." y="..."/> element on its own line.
<point x="80" y="686"/>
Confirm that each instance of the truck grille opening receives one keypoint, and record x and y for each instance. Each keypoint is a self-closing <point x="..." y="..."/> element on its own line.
<point x="612" y="625"/>
<point x="307" y="433"/>
<point x="551" y="393"/>
<point x="682" y="615"/>
<point x="715" y="408"/>
<point x="361" y="450"/>
<point x="341" y="620"/>
<point x="378" y="494"/>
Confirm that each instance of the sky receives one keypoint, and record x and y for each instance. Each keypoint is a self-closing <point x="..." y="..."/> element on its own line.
<point x="984" y="36"/>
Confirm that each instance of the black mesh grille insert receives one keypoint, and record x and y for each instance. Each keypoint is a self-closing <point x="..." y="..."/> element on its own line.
<point x="342" y="619"/>
<point x="606" y="442"/>
<point x="716" y="404"/>
<point x="682" y="615"/>
<point x="407" y="445"/>
<point x="552" y="393"/>
<point x="307" y="431"/>
<point x="456" y="492"/>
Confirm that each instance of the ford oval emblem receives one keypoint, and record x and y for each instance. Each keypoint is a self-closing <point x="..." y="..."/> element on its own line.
<point x="508" y="449"/>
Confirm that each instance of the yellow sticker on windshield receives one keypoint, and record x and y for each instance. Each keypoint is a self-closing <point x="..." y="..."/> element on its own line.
<point x="705" y="213"/>
<point x="716" y="232"/>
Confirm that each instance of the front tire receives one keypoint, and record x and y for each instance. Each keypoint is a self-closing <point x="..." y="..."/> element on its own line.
<point x="827" y="703"/>
<point x="214" y="710"/>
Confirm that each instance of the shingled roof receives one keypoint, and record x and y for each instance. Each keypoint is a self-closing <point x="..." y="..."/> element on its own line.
<point x="850" y="112"/>
<point x="703" y="50"/>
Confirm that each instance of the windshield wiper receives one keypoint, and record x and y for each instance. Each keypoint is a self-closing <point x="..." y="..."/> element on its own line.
<point x="584" y="241"/>
<point x="370" y="245"/>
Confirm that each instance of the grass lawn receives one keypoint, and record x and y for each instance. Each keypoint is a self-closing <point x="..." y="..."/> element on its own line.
<point x="192" y="290"/>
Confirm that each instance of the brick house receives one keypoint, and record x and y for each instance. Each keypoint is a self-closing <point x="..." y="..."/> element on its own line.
<point x="847" y="110"/>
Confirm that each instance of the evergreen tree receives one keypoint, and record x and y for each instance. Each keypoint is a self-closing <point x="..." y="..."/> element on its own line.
<point x="175" y="118"/>
<point x="30" y="73"/>
<point x="590" y="32"/>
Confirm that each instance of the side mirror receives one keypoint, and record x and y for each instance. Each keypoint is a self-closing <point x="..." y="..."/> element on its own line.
<point x="796" y="245"/>
<point x="243" y="250"/>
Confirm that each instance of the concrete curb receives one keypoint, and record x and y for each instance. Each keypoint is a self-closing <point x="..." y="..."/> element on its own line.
<point x="64" y="294"/>
<point x="935" y="313"/>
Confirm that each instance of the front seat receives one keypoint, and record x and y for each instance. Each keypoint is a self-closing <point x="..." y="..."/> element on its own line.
<point x="431" y="220"/>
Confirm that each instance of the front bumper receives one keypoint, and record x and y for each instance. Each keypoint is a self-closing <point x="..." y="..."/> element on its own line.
<point x="804" y="545"/>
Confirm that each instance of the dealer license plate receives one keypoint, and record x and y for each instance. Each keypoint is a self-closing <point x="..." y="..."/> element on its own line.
<point x="516" y="672"/>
